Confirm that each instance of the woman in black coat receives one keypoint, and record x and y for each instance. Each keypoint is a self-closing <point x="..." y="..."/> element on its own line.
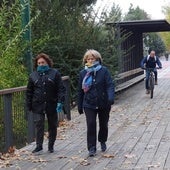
<point x="95" y="97"/>
<point x="45" y="95"/>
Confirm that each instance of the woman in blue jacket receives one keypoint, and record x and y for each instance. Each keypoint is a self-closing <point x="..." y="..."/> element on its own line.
<point x="95" y="97"/>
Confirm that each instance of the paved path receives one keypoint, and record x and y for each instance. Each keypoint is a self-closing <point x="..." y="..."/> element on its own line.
<point x="139" y="136"/>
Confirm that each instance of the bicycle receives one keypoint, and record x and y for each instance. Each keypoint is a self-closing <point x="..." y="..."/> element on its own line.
<point x="151" y="81"/>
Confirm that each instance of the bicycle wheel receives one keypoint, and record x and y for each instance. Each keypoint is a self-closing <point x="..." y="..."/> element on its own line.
<point x="151" y="86"/>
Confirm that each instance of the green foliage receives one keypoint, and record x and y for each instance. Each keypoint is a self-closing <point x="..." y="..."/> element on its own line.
<point x="114" y="15"/>
<point x="135" y="14"/>
<point x="155" y="43"/>
<point x="165" y="35"/>
<point x="70" y="4"/>
<point x="13" y="72"/>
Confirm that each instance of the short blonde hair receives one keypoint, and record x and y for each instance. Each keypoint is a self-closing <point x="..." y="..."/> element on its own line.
<point x="93" y="53"/>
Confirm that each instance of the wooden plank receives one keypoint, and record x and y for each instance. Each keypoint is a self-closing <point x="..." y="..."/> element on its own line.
<point x="129" y="83"/>
<point x="128" y="73"/>
<point x="167" y="162"/>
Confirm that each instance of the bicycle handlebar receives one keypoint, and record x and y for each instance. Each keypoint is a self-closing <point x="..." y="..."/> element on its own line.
<point x="151" y="69"/>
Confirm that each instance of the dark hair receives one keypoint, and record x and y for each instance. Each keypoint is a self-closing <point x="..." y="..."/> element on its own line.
<point x="45" y="57"/>
<point x="150" y="49"/>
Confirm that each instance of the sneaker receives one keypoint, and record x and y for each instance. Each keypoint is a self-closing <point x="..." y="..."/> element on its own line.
<point x="37" y="149"/>
<point x="147" y="91"/>
<point x="103" y="146"/>
<point x="92" y="152"/>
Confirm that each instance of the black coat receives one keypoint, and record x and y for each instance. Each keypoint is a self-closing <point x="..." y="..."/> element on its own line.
<point x="101" y="93"/>
<point x="44" y="91"/>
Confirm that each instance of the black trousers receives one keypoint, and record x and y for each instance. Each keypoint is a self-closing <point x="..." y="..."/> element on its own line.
<point x="103" y="115"/>
<point x="39" y="120"/>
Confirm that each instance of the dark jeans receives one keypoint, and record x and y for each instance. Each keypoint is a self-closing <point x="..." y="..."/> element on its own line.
<point x="39" y="120"/>
<point x="147" y="78"/>
<point x="103" y="115"/>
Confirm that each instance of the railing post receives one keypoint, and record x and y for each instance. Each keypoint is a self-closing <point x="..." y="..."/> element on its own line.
<point x="8" y="121"/>
<point x="66" y="82"/>
<point x="25" y="16"/>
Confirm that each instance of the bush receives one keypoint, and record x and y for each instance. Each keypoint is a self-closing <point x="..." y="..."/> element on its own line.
<point x="13" y="72"/>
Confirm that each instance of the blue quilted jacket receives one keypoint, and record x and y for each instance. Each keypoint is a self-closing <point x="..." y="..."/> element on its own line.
<point x="101" y="93"/>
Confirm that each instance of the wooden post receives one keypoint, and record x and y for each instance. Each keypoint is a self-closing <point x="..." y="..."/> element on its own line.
<point x="8" y="121"/>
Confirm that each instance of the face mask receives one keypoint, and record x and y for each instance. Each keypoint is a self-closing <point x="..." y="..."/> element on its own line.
<point x="43" y="68"/>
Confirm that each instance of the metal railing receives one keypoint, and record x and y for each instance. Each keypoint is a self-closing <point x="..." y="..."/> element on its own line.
<point x="16" y="125"/>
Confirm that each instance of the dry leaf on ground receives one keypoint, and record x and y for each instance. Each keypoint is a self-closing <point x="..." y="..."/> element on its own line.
<point x="85" y="163"/>
<point x="39" y="160"/>
<point x="61" y="157"/>
<point x="130" y="156"/>
<point x="108" y="156"/>
<point x="154" y="166"/>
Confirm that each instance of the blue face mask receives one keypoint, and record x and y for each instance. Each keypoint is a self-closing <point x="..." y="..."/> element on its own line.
<point x="43" y="68"/>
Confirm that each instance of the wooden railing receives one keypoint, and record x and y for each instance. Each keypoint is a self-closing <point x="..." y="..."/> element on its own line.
<point x="128" y="78"/>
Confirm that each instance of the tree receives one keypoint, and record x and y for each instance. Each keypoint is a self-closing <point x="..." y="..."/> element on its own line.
<point x="136" y="14"/>
<point x="165" y="35"/>
<point x="114" y="15"/>
<point x="13" y="72"/>
<point x="109" y="43"/>
<point x="70" y="5"/>
<point x="80" y="3"/>
<point x="154" y="42"/>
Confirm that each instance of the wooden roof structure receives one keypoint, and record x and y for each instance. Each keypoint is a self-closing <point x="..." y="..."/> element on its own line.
<point x="130" y="59"/>
<point x="143" y="26"/>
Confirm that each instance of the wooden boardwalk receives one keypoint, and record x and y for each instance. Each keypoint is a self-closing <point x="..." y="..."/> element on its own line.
<point x="139" y="136"/>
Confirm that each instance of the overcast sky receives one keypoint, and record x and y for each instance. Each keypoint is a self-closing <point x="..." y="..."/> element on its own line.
<point x="152" y="7"/>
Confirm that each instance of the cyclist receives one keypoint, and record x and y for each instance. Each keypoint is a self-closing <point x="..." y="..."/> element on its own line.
<point x="151" y="61"/>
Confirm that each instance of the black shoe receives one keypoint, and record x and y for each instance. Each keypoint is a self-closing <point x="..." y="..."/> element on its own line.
<point x="51" y="150"/>
<point x="92" y="152"/>
<point x="37" y="149"/>
<point x="103" y="146"/>
<point x="51" y="147"/>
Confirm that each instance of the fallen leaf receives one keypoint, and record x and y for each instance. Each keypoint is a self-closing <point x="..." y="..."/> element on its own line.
<point x="108" y="156"/>
<point x="61" y="157"/>
<point x="130" y="156"/>
<point x="150" y="147"/>
<point x="154" y="166"/>
<point x="11" y="149"/>
<point x="39" y="160"/>
<point x="74" y="157"/>
<point x="85" y="163"/>
<point x="61" y="138"/>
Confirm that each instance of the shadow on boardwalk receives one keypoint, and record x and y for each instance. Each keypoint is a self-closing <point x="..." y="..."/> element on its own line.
<point x="139" y="136"/>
